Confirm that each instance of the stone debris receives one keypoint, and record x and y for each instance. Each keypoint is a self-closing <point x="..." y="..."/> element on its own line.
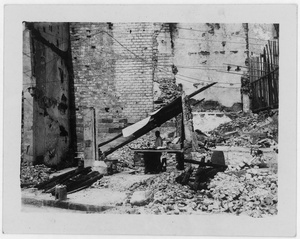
<point x="252" y="192"/>
<point x="141" y="198"/>
<point x="32" y="175"/>
<point x="247" y="130"/>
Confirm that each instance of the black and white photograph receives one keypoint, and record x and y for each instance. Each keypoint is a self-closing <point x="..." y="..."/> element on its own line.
<point x="161" y="118"/>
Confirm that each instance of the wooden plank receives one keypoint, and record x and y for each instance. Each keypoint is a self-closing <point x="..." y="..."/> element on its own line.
<point x="250" y="71"/>
<point x="260" y="85"/>
<point x="110" y="140"/>
<point x="270" y="54"/>
<point x="271" y="101"/>
<point x="266" y="59"/>
<point x="276" y="82"/>
<point x="272" y="77"/>
<point x="268" y="70"/>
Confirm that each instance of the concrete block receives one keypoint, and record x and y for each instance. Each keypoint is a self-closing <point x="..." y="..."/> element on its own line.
<point x="141" y="198"/>
<point x="100" y="166"/>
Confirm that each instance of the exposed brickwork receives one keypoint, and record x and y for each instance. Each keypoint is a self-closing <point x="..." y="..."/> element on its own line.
<point x="113" y="73"/>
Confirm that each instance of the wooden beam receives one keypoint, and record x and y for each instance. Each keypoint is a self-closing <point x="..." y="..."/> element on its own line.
<point x="202" y="89"/>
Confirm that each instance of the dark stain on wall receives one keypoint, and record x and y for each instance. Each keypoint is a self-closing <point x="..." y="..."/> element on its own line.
<point x="174" y="69"/>
<point x="64" y="98"/>
<point x="62" y="107"/>
<point x="43" y="101"/>
<point x="213" y="27"/>
<point x="204" y="53"/>
<point x="63" y="131"/>
<point x="110" y="25"/>
<point x="61" y="74"/>
<point x="173" y="33"/>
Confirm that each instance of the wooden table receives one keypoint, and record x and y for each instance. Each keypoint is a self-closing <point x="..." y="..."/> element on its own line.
<point x="152" y="157"/>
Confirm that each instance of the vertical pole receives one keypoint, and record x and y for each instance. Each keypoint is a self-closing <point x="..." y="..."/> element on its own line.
<point x="245" y="95"/>
<point x="188" y="127"/>
<point x="88" y="135"/>
<point x="187" y="118"/>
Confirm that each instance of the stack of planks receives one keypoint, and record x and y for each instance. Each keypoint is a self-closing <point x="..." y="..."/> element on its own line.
<point x="75" y="180"/>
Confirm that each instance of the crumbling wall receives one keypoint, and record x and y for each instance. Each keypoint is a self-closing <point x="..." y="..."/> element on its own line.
<point x="207" y="49"/>
<point x="46" y="90"/>
<point x="198" y="54"/>
<point x="113" y="74"/>
<point x="165" y="87"/>
<point x="259" y="34"/>
<point x="27" y="100"/>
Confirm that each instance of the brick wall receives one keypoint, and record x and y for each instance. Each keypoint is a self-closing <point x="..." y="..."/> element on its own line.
<point x="113" y="73"/>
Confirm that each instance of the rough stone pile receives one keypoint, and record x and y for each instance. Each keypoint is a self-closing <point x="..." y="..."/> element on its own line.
<point x="252" y="192"/>
<point x="32" y="175"/>
<point x="247" y="130"/>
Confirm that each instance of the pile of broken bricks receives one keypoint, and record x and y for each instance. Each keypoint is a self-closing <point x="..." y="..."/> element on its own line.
<point x="34" y="174"/>
<point x="251" y="192"/>
<point x="247" y="130"/>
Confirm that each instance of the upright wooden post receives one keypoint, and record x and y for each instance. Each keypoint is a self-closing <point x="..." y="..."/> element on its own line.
<point x="89" y="137"/>
<point x="187" y="118"/>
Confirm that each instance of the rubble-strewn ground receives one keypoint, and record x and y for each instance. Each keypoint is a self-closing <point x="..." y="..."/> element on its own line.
<point x="240" y="190"/>
<point x="251" y="192"/>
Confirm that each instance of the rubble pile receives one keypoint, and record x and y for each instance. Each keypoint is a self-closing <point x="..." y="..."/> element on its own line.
<point x="168" y="197"/>
<point x="247" y="130"/>
<point x="32" y="175"/>
<point x="252" y="192"/>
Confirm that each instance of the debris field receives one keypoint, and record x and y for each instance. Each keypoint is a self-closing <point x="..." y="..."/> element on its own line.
<point x="246" y="189"/>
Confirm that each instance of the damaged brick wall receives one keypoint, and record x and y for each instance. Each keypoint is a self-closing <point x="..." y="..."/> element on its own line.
<point x="46" y="93"/>
<point x="113" y="73"/>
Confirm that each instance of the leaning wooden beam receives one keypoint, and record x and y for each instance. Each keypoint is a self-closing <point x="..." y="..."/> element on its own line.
<point x="201" y="89"/>
<point x="197" y="103"/>
<point x="129" y="139"/>
<point x="110" y="140"/>
<point x="166" y="113"/>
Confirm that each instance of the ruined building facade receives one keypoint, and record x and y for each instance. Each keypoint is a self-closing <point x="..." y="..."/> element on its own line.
<point x="47" y="72"/>
<point x="115" y="74"/>
<point x="123" y="71"/>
